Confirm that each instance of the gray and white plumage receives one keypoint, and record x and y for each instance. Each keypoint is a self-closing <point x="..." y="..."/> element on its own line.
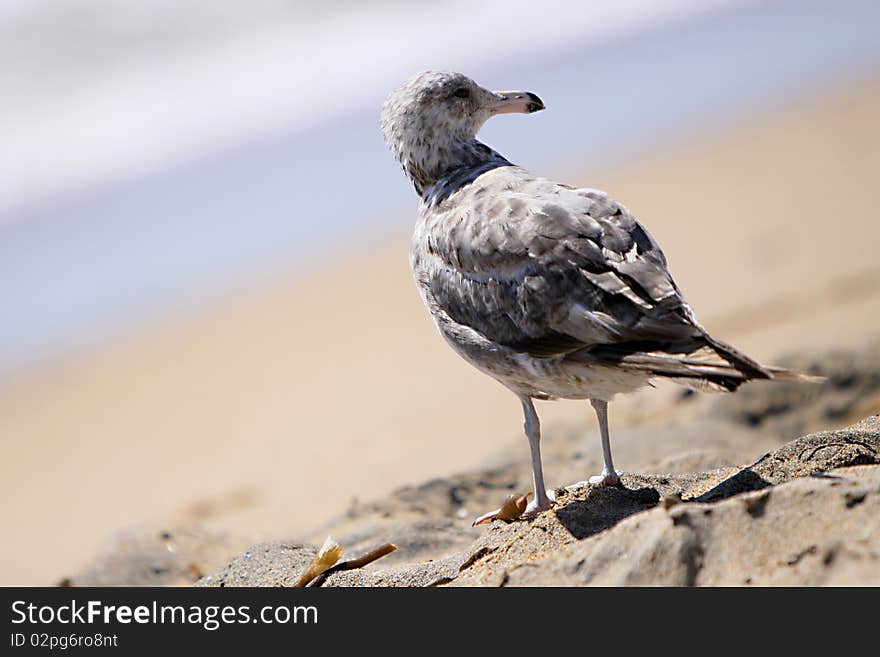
<point x="555" y="291"/>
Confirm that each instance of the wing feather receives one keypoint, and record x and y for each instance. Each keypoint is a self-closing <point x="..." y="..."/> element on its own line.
<point x="557" y="271"/>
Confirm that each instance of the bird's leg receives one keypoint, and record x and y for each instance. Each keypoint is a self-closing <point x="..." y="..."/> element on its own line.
<point x="542" y="499"/>
<point x="609" y="476"/>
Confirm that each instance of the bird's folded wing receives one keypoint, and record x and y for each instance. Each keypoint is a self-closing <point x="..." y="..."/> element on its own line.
<point x="550" y="269"/>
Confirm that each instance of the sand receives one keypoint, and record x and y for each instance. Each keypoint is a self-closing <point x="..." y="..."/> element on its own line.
<point x="262" y="417"/>
<point x="743" y="505"/>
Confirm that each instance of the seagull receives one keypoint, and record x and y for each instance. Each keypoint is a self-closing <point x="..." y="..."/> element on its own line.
<point x="555" y="291"/>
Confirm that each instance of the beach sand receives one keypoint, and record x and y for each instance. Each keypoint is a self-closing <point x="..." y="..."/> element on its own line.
<point x="247" y="414"/>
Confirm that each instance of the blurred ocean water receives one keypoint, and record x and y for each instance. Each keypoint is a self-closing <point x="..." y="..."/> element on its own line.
<point x="157" y="152"/>
<point x="128" y="87"/>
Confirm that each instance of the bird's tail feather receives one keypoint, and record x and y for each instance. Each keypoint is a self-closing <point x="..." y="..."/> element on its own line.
<point x="704" y="364"/>
<point x="741" y="361"/>
<point x="782" y="374"/>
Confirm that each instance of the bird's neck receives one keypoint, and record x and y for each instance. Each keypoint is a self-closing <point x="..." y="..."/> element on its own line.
<point x="437" y="170"/>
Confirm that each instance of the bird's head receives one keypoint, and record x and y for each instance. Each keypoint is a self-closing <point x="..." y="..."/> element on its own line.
<point x="431" y="121"/>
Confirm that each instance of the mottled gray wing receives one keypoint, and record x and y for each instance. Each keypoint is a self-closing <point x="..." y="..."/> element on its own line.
<point x="551" y="269"/>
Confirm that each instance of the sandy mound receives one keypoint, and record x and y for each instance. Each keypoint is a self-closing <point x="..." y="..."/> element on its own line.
<point x="735" y="501"/>
<point x="807" y="513"/>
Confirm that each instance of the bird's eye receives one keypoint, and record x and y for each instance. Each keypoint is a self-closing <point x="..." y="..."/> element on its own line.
<point x="463" y="92"/>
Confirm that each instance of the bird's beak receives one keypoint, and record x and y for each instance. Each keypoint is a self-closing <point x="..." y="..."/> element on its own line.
<point x="522" y="102"/>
